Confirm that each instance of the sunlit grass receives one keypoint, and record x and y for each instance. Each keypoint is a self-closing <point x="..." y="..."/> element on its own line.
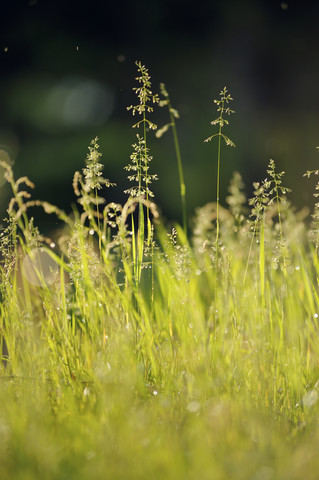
<point x="130" y="350"/>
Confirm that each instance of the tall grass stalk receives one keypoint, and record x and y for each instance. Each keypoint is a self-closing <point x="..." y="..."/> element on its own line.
<point x="173" y="113"/>
<point x="140" y="163"/>
<point x="221" y="121"/>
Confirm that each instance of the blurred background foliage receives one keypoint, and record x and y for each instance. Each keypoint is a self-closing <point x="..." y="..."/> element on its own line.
<point x="67" y="72"/>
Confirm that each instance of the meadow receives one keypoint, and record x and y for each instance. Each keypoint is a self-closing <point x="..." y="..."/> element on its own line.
<point x="134" y="350"/>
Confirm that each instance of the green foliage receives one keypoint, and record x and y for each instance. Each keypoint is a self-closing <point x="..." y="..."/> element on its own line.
<point x="133" y="350"/>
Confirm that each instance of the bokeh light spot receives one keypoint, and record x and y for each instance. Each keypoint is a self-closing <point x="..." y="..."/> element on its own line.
<point x="77" y="102"/>
<point x="39" y="268"/>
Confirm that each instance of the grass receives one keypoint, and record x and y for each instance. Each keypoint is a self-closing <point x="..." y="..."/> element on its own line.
<point x="131" y="351"/>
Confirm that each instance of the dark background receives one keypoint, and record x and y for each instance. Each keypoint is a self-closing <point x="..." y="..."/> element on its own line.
<point x="67" y="71"/>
